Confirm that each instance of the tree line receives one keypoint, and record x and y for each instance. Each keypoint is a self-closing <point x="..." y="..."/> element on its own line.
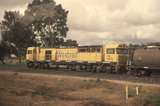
<point x="44" y="24"/>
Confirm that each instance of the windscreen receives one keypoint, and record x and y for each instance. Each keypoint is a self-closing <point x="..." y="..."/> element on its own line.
<point x="122" y="51"/>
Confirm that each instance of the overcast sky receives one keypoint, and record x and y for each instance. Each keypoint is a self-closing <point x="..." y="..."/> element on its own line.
<point x="100" y="21"/>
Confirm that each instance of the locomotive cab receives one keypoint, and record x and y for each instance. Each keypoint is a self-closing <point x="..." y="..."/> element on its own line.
<point x="31" y="54"/>
<point x="37" y="57"/>
<point x="116" y="55"/>
<point x="122" y="55"/>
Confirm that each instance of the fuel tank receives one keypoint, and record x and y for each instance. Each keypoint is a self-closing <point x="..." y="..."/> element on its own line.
<point x="148" y="58"/>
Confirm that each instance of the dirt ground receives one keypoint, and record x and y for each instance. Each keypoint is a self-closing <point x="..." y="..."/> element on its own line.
<point x="27" y="89"/>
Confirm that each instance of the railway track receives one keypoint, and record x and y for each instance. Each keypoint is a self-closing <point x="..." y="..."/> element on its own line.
<point x="93" y="78"/>
<point x="154" y="79"/>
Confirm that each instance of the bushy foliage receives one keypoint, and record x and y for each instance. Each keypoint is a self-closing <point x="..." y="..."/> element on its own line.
<point x="43" y="24"/>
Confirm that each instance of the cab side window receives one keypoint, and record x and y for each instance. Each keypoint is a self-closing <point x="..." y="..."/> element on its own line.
<point x="110" y="51"/>
<point x="48" y="52"/>
<point x="29" y="52"/>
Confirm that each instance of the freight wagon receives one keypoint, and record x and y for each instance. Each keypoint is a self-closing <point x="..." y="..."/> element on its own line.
<point x="145" y="61"/>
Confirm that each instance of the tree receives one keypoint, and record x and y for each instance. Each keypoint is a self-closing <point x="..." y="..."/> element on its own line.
<point x="48" y="1"/>
<point x="36" y="2"/>
<point x="48" y="22"/>
<point x="70" y="43"/>
<point x="15" y="32"/>
<point x="43" y="24"/>
<point x="6" y="49"/>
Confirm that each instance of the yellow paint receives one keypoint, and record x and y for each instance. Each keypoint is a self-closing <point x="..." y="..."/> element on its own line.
<point x="29" y="57"/>
<point x="66" y="54"/>
<point x="38" y="54"/>
<point x="114" y="57"/>
<point x="89" y="57"/>
<point x="72" y="54"/>
<point x="42" y="56"/>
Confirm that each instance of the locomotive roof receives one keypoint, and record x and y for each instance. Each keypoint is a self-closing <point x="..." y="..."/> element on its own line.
<point x="90" y="46"/>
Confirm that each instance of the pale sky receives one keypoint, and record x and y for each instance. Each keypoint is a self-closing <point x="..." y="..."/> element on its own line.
<point x="100" y="21"/>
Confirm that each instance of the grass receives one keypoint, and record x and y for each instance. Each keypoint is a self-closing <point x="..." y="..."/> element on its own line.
<point x="48" y="93"/>
<point x="21" y="67"/>
<point x="152" y="99"/>
<point x="97" y="103"/>
<point x="13" y="66"/>
<point x="147" y="100"/>
<point x="99" y="90"/>
<point x="148" y="96"/>
<point x="83" y="92"/>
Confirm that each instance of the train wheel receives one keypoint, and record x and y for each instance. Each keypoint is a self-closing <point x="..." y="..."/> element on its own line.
<point x="88" y="68"/>
<point x="35" y="65"/>
<point x="93" y="69"/>
<point x="30" y="65"/>
<point x="108" y="69"/>
<point x="43" y="66"/>
<point x="130" y="72"/>
<point x="73" y="67"/>
<point x="83" y="68"/>
<point x="46" y="66"/>
<point x="57" y="67"/>
<point x="138" y="73"/>
<point x="98" y="69"/>
<point x="105" y="69"/>
<point x="39" y="65"/>
<point x="69" y="67"/>
<point x="77" y="68"/>
<point x="120" y="71"/>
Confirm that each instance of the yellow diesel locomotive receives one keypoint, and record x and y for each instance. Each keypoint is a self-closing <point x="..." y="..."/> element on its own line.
<point x="101" y="58"/>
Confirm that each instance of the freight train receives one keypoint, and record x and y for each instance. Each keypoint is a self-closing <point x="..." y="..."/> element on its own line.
<point x="110" y="58"/>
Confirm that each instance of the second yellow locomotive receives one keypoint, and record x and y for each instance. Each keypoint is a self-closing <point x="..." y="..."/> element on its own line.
<point x="102" y="58"/>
